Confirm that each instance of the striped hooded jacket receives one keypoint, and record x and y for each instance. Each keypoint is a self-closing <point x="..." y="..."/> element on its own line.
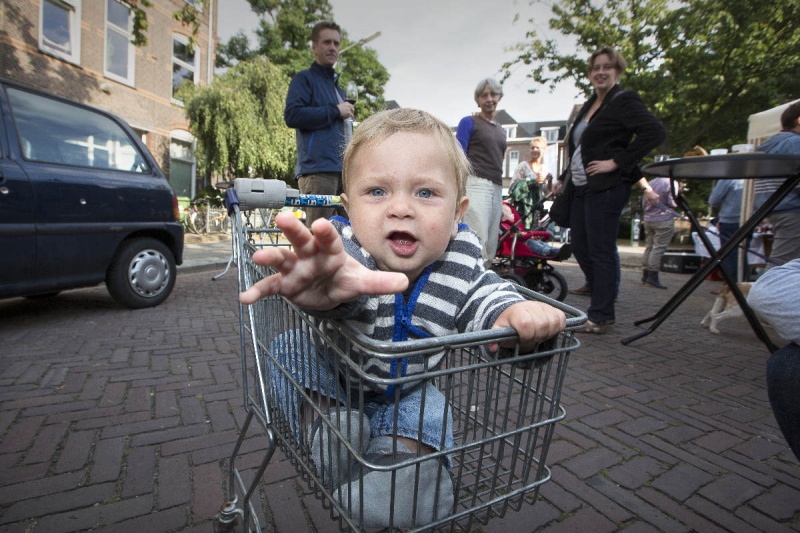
<point x="455" y="294"/>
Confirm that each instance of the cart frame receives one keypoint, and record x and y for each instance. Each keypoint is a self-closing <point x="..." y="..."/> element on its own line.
<point x="504" y="406"/>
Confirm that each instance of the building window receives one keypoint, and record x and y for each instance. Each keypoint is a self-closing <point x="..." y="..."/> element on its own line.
<point x="551" y="134"/>
<point x="60" y="29"/>
<point x="184" y="64"/>
<point x="513" y="162"/>
<point x="120" y="52"/>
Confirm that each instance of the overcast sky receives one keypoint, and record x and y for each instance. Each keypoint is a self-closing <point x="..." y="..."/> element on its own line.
<point x="436" y="51"/>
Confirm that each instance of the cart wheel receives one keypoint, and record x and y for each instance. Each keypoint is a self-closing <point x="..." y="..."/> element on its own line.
<point x="551" y="284"/>
<point x="223" y="523"/>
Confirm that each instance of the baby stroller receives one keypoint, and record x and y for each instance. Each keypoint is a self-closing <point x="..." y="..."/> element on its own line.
<point x="516" y="262"/>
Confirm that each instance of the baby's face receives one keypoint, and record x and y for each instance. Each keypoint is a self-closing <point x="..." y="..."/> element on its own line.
<point x="402" y="202"/>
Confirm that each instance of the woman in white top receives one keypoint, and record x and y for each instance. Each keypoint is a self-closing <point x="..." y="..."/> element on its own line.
<point x="531" y="182"/>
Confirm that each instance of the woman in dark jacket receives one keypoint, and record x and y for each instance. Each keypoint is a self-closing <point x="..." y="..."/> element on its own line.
<point x="612" y="133"/>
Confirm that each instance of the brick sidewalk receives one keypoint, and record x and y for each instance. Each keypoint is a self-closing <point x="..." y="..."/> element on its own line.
<point x="114" y="420"/>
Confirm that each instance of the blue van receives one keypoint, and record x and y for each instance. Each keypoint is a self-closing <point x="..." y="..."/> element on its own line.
<point x="82" y="201"/>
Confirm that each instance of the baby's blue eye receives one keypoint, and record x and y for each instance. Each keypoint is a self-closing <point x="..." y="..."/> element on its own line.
<point x="377" y="192"/>
<point x="425" y="193"/>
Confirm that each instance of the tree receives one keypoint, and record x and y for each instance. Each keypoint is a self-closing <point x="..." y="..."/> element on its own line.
<point x="188" y="15"/>
<point x="701" y="66"/>
<point x="238" y="121"/>
<point x="284" y="36"/>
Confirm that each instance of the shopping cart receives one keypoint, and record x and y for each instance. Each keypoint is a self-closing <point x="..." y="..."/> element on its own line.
<point x="504" y="406"/>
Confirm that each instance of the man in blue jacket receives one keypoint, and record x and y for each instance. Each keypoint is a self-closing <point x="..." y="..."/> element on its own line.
<point x="785" y="217"/>
<point x="316" y="108"/>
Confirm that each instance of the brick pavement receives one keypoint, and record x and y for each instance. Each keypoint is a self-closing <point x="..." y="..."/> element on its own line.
<point x="114" y="420"/>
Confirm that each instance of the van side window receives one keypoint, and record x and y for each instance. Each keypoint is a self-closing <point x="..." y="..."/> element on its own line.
<point x="51" y="131"/>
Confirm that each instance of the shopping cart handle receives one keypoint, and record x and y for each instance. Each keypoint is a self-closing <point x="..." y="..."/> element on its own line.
<point x="230" y="200"/>
<point x="256" y="193"/>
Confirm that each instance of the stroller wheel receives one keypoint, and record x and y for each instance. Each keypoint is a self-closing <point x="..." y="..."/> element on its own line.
<point x="550" y="283"/>
<point x="513" y="278"/>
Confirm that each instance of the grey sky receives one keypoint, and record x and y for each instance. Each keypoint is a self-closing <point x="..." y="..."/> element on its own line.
<point x="436" y="51"/>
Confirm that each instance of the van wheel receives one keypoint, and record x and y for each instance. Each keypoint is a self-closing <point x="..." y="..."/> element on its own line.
<point x="142" y="273"/>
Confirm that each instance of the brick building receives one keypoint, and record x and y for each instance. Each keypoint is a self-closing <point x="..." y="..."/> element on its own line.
<point x="81" y="49"/>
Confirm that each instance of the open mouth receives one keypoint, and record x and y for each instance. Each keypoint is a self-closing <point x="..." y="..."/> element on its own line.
<point x="403" y="243"/>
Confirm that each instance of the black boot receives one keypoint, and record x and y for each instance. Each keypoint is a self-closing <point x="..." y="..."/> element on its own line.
<point x="652" y="280"/>
<point x="644" y="276"/>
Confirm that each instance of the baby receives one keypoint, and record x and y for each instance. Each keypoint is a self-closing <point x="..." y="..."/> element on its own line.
<point x="403" y="267"/>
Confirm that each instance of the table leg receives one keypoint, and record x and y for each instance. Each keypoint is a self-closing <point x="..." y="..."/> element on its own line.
<point x="716" y="257"/>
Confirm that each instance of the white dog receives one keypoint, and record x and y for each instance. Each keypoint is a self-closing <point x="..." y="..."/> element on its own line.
<point x="725" y="306"/>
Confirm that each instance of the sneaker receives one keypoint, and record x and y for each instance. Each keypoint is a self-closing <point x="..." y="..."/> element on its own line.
<point x="329" y="453"/>
<point x="433" y="490"/>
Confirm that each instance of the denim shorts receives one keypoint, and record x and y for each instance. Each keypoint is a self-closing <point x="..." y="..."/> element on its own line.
<point x="295" y="352"/>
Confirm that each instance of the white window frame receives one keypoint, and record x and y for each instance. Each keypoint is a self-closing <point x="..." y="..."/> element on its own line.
<point x="73" y="8"/>
<point x="127" y="33"/>
<point x="550" y="134"/>
<point x="194" y="69"/>
<point x="513" y="163"/>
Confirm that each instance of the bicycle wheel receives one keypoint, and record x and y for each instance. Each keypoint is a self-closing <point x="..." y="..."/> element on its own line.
<point x="547" y="282"/>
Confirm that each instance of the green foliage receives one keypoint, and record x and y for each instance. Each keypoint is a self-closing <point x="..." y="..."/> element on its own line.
<point x="238" y="122"/>
<point x="701" y="66"/>
<point x="139" y="21"/>
<point x="284" y="37"/>
<point x="188" y="15"/>
<point x="209" y="195"/>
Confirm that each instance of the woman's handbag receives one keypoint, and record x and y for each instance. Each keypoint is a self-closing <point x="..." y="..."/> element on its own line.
<point x="559" y="211"/>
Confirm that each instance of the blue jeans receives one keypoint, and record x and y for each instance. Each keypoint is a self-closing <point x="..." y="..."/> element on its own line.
<point x="540" y="248"/>
<point x="730" y="263"/>
<point x="783" y="383"/>
<point x="296" y="353"/>
<point x="484" y="212"/>
<point x="594" y="223"/>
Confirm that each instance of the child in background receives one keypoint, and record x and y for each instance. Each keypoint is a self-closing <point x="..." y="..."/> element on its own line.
<point x="403" y="267"/>
<point x="538" y="247"/>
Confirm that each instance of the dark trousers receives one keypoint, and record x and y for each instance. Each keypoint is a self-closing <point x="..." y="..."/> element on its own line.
<point x="594" y="223"/>
<point x="730" y="263"/>
<point x="783" y="384"/>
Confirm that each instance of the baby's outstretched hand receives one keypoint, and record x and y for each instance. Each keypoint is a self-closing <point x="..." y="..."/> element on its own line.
<point x="316" y="273"/>
<point x="534" y="322"/>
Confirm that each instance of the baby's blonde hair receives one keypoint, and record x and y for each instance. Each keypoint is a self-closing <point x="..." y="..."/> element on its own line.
<point x="383" y="125"/>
